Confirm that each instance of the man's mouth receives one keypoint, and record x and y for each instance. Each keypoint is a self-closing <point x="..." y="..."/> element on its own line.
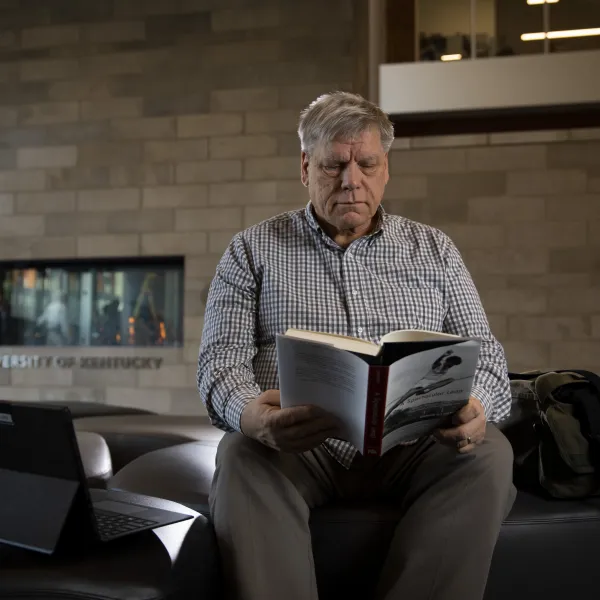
<point x="350" y="204"/>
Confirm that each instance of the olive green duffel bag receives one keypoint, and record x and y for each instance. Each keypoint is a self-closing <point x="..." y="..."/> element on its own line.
<point x="564" y="454"/>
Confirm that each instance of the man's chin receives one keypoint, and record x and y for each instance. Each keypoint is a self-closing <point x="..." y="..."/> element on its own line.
<point x="353" y="220"/>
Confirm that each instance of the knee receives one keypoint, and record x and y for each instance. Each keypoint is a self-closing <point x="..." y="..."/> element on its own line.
<point x="236" y="448"/>
<point x="498" y="448"/>
<point x="235" y="466"/>
<point x="242" y="461"/>
<point x="244" y="468"/>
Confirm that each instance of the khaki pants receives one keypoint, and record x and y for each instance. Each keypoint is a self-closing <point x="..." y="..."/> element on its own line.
<point x="452" y="505"/>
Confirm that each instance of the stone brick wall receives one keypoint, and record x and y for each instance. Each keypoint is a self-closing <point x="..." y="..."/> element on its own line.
<point x="158" y="127"/>
<point x="524" y="209"/>
<point x="154" y="127"/>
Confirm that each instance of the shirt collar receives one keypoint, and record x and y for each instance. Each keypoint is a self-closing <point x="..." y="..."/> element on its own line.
<point x="314" y="224"/>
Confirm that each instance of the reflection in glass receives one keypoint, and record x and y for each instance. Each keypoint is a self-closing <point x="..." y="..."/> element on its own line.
<point x="458" y="29"/>
<point x="444" y="29"/>
<point x="451" y="30"/>
<point x="92" y="304"/>
<point x="485" y="30"/>
<point x="573" y="25"/>
<point x="513" y="18"/>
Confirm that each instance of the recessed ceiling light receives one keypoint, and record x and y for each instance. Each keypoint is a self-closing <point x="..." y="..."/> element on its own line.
<point x="555" y="35"/>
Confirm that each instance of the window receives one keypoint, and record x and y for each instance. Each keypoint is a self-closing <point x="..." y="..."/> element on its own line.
<point x="451" y="30"/>
<point x="92" y="303"/>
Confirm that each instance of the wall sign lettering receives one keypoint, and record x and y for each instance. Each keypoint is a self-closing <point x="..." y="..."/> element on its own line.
<point x="28" y="361"/>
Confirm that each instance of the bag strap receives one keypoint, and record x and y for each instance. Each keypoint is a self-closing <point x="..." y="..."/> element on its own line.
<point x="590" y="406"/>
<point x="589" y="375"/>
<point x="527" y="376"/>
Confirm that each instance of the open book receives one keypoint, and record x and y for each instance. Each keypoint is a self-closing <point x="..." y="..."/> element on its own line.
<point x="384" y="394"/>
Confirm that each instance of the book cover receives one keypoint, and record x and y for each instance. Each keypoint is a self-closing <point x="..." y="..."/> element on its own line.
<point x="383" y="394"/>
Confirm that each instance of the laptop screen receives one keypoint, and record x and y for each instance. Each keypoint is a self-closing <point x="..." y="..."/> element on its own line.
<point x="39" y="440"/>
<point x="40" y="474"/>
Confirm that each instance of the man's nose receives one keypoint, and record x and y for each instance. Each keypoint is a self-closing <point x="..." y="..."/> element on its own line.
<point x="351" y="176"/>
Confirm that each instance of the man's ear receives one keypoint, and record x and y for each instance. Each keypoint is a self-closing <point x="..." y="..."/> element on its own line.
<point x="387" y="169"/>
<point x="304" y="168"/>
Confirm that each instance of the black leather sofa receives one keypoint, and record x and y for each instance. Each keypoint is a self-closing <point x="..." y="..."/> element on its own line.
<point x="546" y="550"/>
<point x="174" y="563"/>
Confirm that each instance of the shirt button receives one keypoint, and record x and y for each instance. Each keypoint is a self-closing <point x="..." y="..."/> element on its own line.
<point x="360" y="330"/>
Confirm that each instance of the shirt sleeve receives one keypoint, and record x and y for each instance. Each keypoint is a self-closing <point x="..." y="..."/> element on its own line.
<point x="225" y="375"/>
<point x="466" y="316"/>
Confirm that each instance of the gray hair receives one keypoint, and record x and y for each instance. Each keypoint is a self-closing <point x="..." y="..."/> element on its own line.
<point x="342" y="115"/>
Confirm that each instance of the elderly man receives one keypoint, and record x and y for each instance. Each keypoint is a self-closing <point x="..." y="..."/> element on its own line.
<point x="343" y="265"/>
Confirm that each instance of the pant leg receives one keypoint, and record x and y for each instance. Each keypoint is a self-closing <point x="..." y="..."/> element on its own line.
<point x="260" y="502"/>
<point x="453" y="508"/>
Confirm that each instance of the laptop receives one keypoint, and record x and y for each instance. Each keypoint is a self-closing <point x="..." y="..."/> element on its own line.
<point x="45" y="502"/>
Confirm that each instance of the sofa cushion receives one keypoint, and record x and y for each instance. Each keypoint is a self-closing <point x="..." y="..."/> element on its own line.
<point x="97" y="409"/>
<point x="182" y="473"/>
<point x="350" y="540"/>
<point x="132" y="436"/>
<point x="95" y="457"/>
<point x="175" y="562"/>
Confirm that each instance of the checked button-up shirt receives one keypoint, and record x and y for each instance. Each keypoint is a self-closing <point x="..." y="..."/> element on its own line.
<point x="286" y="272"/>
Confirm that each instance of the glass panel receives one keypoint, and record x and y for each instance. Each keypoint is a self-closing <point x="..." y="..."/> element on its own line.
<point x="505" y="27"/>
<point x="485" y="28"/>
<point x="444" y="29"/>
<point x="84" y="304"/>
<point x="578" y="21"/>
<point x="513" y="19"/>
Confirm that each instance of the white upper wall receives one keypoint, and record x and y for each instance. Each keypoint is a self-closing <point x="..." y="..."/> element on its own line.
<point x="450" y="17"/>
<point x="491" y="83"/>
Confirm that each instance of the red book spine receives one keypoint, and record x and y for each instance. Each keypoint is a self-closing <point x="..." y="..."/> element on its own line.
<point x="376" y="398"/>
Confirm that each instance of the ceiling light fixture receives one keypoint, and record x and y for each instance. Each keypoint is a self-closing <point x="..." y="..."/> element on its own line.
<point x="450" y="57"/>
<point x="530" y="37"/>
<point x="555" y="35"/>
<point x="534" y="2"/>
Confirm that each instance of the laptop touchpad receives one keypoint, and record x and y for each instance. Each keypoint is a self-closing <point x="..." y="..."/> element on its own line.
<point x="120" y="507"/>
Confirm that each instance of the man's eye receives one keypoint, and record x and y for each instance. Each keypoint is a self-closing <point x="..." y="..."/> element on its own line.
<point x="331" y="168"/>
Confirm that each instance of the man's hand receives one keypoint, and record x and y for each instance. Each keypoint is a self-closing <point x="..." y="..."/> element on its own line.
<point x="469" y="429"/>
<point x="296" y="429"/>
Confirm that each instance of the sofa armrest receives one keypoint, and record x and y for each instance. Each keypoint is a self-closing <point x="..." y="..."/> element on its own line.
<point x="181" y="473"/>
<point x="174" y="562"/>
<point x="95" y="456"/>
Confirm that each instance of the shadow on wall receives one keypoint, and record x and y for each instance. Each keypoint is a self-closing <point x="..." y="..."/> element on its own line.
<point x="204" y="293"/>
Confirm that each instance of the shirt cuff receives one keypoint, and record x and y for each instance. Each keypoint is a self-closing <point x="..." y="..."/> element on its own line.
<point x="236" y="402"/>
<point x="485" y="399"/>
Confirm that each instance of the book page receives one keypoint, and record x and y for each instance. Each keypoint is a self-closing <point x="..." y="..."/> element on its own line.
<point x="417" y="335"/>
<point x="425" y="388"/>
<point x="351" y="344"/>
<point x="334" y="380"/>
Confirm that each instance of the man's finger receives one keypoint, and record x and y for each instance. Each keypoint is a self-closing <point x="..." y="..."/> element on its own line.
<point x="305" y="443"/>
<point x="466" y="448"/>
<point x="328" y="425"/>
<point x="465" y="414"/>
<point x="287" y="417"/>
<point x="271" y="399"/>
<point x="454" y="435"/>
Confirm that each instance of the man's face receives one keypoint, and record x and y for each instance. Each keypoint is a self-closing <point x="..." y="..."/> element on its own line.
<point x="346" y="180"/>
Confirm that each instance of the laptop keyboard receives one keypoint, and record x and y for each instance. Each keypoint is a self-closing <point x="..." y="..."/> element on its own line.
<point x="112" y="524"/>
